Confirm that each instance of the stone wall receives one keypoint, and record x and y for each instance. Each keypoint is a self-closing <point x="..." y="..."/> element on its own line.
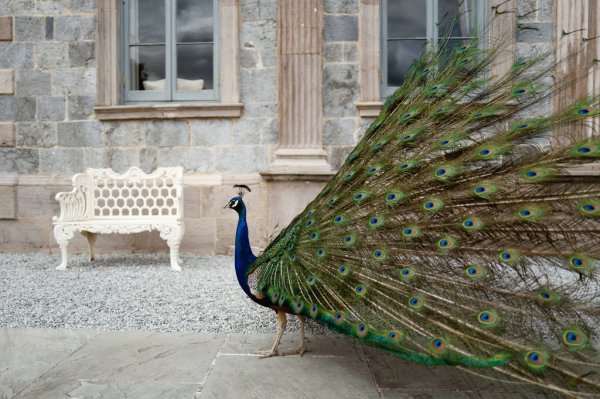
<point x="48" y="130"/>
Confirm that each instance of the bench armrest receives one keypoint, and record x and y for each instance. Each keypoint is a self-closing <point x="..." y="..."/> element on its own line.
<point x="74" y="204"/>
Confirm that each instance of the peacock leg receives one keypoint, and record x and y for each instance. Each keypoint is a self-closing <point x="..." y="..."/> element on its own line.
<point x="281" y="324"/>
<point x="302" y="349"/>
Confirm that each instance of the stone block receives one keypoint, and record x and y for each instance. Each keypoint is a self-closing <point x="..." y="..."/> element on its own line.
<point x="36" y="134"/>
<point x="51" y="108"/>
<point x="340" y="89"/>
<point x="332" y="52"/>
<point x="30" y="29"/>
<point x="83" y="5"/>
<point x="33" y="82"/>
<point x="258" y="34"/>
<point x="7" y="81"/>
<point x="7" y="134"/>
<point x="259" y="85"/>
<point x="250" y="10"/>
<point x="211" y="132"/>
<point x="81" y="107"/>
<point x="268" y="9"/>
<point x="270" y="132"/>
<point x="74" y="28"/>
<point x="74" y="81"/>
<point x="268" y="57"/>
<point x="148" y="159"/>
<point x="242" y="158"/>
<point x="118" y="159"/>
<point x="535" y="32"/>
<point x="50" y="55"/>
<point x="55" y="7"/>
<point x="225" y="234"/>
<point x="200" y="235"/>
<point x="49" y="28"/>
<point x="338" y="155"/>
<point x="341" y="7"/>
<point x="545" y="11"/>
<point x="529" y="50"/>
<point x="167" y="133"/>
<point x="260" y="109"/>
<point x="13" y="108"/>
<point x="338" y="131"/>
<point x="123" y="134"/>
<point x="82" y="54"/>
<point x="19" y="160"/>
<point x="79" y="134"/>
<point x="192" y="204"/>
<point x="38" y="201"/>
<point x="527" y="10"/>
<point x="8" y="202"/>
<point x="6" y="29"/>
<point x="247" y="131"/>
<point x="249" y="58"/>
<point x="199" y="159"/>
<point x="339" y="28"/>
<point x="65" y="161"/>
<point x="16" y="55"/>
<point x="350" y="52"/>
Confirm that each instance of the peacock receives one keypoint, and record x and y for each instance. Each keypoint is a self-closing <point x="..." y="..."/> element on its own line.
<point x="453" y="234"/>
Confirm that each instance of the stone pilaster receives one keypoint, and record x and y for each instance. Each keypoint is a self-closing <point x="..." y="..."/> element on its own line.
<point x="300" y="39"/>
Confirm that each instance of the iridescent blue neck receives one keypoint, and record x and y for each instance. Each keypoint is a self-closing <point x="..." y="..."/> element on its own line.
<point x="243" y="253"/>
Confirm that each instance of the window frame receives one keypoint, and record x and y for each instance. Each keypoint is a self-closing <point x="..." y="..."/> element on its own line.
<point x="131" y="97"/>
<point x="432" y="35"/>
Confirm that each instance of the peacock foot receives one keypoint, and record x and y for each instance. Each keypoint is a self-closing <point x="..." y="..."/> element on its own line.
<point x="267" y="354"/>
<point x="299" y="351"/>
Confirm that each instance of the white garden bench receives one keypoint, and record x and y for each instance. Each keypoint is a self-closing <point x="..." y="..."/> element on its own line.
<point x="103" y="201"/>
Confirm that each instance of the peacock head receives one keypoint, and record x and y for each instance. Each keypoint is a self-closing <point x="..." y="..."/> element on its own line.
<point x="237" y="203"/>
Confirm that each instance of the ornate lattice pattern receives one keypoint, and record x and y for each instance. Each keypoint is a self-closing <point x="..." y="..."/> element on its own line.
<point x="142" y="197"/>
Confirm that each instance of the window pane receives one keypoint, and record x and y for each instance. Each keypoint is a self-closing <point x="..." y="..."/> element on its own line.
<point x="401" y="54"/>
<point x="449" y="9"/>
<point x="147" y="68"/>
<point x="194" y="63"/>
<point x="406" y="18"/>
<point x="194" y="21"/>
<point x="147" y="21"/>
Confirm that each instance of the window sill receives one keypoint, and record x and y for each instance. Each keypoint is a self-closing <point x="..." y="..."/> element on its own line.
<point x="369" y="109"/>
<point x="169" y="111"/>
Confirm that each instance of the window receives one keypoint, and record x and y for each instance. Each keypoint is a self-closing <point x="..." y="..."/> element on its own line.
<point x="170" y="50"/>
<point x="408" y="26"/>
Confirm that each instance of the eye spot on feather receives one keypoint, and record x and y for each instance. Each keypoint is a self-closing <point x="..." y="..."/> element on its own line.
<point x="298" y="306"/>
<point x="589" y="207"/>
<point x="310" y="213"/>
<point x="290" y="246"/>
<point x="314" y="236"/>
<point x="408" y="273"/>
<point x="583" y="111"/>
<point x="282" y="299"/>
<point x="416" y="303"/>
<point x="310" y="222"/>
<point x="340" y="219"/>
<point x="274" y="297"/>
<point x="509" y="256"/>
<point x="475" y="272"/>
<point x="545" y="296"/>
<point x="314" y="311"/>
<point x="362" y="330"/>
<point x="581" y="263"/>
<point x="320" y="252"/>
<point x="348" y="176"/>
<point x="339" y="317"/>
<point x="293" y="257"/>
<point x="536" y="360"/>
<point x="446" y="243"/>
<point x="376" y="221"/>
<point x="438" y="345"/>
<point x="311" y="280"/>
<point x="331" y="201"/>
<point x="395" y="336"/>
<point x="488" y="318"/>
<point x="531" y="173"/>
<point x="349" y="240"/>
<point x="344" y="270"/>
<point x="440" y="172"/>
<point x="410" y="232"/>
<point x="379" y="254"/>
<point x="360" y="291"/>
<point x="472" y="224"/>
<point x="574" y="338"/>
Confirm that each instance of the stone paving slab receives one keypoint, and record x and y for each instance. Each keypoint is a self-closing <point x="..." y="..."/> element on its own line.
<point x="42" y="363"/>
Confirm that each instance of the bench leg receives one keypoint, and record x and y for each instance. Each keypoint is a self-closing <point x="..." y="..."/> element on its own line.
<point x="63" y="234"/>
<point x="172" y="234"/>
<point x="91" y="239"/>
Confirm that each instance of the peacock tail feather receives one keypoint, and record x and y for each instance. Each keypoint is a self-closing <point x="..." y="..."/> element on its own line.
<point x="452" y="234"/>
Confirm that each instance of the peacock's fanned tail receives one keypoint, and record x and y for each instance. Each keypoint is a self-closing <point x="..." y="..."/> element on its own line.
<point x="453" y="235"/>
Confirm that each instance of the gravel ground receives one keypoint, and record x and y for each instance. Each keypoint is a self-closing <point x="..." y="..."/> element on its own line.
<point x="130" y="292"/>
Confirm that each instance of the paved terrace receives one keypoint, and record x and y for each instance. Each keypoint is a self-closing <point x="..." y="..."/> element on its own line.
<point x="129" y="327"/>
